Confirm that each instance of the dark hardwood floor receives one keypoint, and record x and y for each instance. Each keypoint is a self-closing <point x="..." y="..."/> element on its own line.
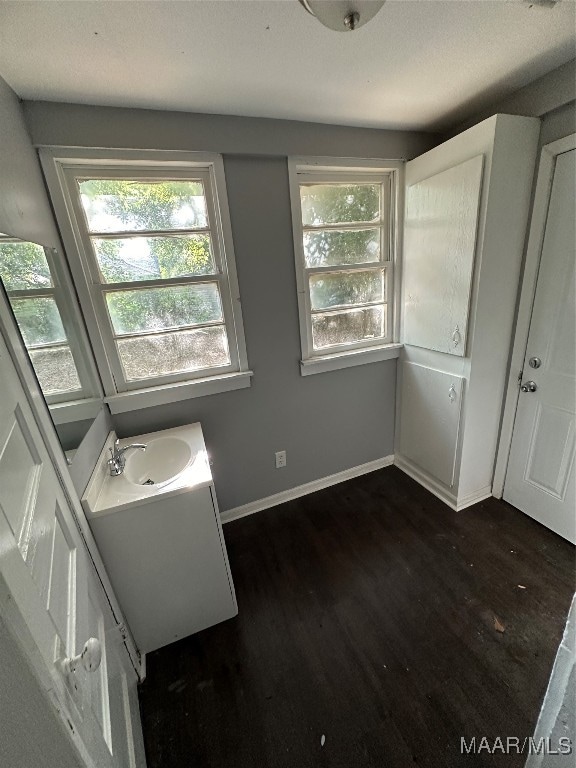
<point x="370" y="615"/>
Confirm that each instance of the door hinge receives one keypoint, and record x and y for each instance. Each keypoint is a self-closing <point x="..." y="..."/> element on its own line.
<point x="520" y="377"/>
<point x="121" y="629"/>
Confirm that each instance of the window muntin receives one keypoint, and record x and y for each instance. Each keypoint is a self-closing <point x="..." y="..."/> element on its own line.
<point x="345" y="265"/>
<point x="29" y="277"/>
<point x="153" y="261"/>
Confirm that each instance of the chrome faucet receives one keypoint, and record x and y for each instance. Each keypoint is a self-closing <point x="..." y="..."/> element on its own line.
<point x="117" y="460"/>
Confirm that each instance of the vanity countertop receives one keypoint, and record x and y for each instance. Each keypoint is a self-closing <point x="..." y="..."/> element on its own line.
<point x="105" y="494"/>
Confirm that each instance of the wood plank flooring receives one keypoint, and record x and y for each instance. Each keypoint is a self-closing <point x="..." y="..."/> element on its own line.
<point x="369" y="614"/>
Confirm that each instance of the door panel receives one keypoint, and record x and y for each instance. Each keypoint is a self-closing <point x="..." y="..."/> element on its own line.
<point x="551" y="450"/>
<point x="540" y="479"/>
<point x="46" y="577"/>
<point x="19" y="470"/>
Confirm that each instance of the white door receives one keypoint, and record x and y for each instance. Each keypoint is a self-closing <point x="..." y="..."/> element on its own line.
<point x="540" y="479"/>
<point x="49" y="592"/>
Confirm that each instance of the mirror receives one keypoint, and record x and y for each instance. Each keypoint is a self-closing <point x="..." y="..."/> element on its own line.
<point x="38" y="290"/>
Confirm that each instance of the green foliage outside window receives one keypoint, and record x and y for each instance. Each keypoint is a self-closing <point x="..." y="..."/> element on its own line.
<point x="337" y="204"/>
<point x="125" y="205"/>
<point x="23" y="266"/>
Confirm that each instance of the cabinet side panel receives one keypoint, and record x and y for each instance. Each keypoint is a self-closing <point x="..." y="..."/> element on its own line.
<point x="167" y="567"/>
<point x="513" y="165"/>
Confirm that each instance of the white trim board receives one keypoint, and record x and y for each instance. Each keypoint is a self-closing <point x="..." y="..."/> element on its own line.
<point x="537" y="228"/>
<point x="437" y="490"/>
<point x="303" y="490"/>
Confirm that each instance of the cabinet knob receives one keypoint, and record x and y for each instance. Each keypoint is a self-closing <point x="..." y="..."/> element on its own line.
<point x="452" y="394"/>
<point x="456" y="336"/>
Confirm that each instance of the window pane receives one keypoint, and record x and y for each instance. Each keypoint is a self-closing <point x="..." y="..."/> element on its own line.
<point x="39" y="320"/>
<point x="339" y="203"/>
<point x="151" y="309"/>
<point x="147" y="356"/>
<point x="55" y="369"/>
<point x="122" y="205"/>
<point x="336" y="289"/>
<point x="327" y="248"/>
<point x="23" y="266"/>
<point x="348" y="326"/>
<point x="150" y="258"/>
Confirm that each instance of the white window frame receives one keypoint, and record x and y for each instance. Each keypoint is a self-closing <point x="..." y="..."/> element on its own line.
<point x="62" y="166"/>
<point x="83" y="399"/>
<point x="326" y="170"/>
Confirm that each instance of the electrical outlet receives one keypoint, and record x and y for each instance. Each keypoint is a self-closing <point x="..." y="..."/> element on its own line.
<point x="280" y="459"/>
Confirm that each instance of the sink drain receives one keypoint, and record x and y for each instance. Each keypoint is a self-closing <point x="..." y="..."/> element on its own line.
<point x="148" y="482"/>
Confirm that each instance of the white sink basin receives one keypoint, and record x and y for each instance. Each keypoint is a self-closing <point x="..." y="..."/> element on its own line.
<point x="162" y="461"/>
<point x="175" y="461"/>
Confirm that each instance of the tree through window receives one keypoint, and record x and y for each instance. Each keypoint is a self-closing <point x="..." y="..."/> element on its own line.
<point x="343" y="258"/>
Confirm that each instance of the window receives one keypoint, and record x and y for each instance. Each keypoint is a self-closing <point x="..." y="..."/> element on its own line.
<point x="155" y="250"/>
<point x="31" y="279"/>
<point x="344" y="238"/>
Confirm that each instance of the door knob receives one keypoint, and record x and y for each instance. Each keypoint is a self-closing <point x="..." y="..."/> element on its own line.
<point x="529" y="386"/>
<point x="534" y="362"/>
<point x="89" y="658"/>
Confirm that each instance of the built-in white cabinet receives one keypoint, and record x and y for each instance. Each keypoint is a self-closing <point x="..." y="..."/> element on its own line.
<point x="430" y="417"/>
<point x="466" y="212"/>
<point x="440" y="237"/>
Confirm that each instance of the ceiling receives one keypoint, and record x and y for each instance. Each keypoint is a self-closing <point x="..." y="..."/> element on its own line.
<point x="419" y="65"/>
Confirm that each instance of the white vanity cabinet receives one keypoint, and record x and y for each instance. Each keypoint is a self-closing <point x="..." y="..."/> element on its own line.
<point x="466" y="212"/>
<point x="163" y="545"/>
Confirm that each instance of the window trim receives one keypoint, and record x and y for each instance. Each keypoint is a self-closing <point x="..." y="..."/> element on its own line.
<point x="61" y="166"/>
<point x="62" y="293"/>
<point x="353" y="170"/>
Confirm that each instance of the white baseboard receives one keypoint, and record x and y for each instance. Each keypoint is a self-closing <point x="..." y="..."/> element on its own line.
<point x="442" y="493"/>
<point x="425" y="480"/>
<point x="474" y="498"/>
<point x="303" y="490"/>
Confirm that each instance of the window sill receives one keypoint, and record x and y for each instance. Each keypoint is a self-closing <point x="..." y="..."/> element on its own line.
<point x="75" y="410"/>
<point x="171" y="393"/>
<point x="348" y="359"/>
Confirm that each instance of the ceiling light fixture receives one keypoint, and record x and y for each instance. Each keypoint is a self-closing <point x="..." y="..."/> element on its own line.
<point x="343" y="15"/>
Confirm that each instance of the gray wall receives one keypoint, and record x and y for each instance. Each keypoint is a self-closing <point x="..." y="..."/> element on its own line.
<point x="541" y="98"/>
<point x="86" y="126"/>
<point x="25" y="212"/>
<point x="326" y="422"/>
<point x="24" y="208"/>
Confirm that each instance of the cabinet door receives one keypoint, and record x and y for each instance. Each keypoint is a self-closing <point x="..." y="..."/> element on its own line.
<point x="439" y="245"/>
<point x="430" y="420"/>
